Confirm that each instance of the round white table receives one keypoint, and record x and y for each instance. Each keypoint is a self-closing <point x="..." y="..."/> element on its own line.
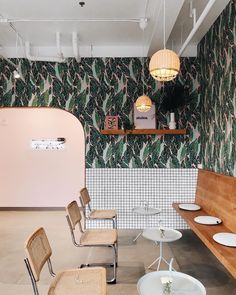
<point x="160" y="235"/>
<point x="182" y="284"/>
<point x="145" y="211"/>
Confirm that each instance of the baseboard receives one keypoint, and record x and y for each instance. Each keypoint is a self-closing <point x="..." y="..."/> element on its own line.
<point x="32" y="208"/>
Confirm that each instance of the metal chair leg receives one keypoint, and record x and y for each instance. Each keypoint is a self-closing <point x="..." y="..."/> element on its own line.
<point x="116" y="245"/>
<point x="34" y="285"/>
<point x="135" y="239"/>
<point x="113" y="264"/>
<point x="114" y="222"/>
<point x="113" y="280"/>
<point x="159" y="259"/>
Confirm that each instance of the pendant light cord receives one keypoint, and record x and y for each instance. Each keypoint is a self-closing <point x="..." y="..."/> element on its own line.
<point x="17" y="36"/>
<point x="164" y="33"/>
<point x="164" y="22"/>
<point x="143" y="58"/>
<point x="145" y="13"/>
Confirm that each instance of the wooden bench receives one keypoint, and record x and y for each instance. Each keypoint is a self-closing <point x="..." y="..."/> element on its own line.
<point x="216" y="194"/>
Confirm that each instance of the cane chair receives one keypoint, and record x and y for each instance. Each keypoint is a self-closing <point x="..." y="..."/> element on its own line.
<point x="87" y="281"/>
<point x="92" y="237"/>
<point x="96" y="214"/>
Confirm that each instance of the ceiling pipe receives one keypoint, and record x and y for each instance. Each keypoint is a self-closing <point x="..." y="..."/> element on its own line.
<point x="132" y="20"/>
<point x="75" y="46"/>
<point x="197" y="25"/>
<point x="5" y="20"/>
<point x="58" y="42"/>
<point x="193" y="13"/>
<point x="59" y="58"/>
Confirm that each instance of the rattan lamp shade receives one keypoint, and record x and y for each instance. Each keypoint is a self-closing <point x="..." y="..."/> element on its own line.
<point x="143" y="103"/>
<point x="164" y="65"/>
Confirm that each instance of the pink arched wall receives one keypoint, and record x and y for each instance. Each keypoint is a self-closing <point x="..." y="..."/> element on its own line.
<point x="40" y="178"/>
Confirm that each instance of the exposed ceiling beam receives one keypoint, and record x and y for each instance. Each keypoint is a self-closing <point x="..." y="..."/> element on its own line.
<point x="188" y="33"/>
<point x="197" y="25"/>
<point x="213" y="14"/>
<point x="156" y="37"/>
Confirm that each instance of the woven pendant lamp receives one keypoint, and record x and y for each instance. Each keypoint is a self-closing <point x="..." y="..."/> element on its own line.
<point x="164" y="64"/>
<point x="143" y="102"/>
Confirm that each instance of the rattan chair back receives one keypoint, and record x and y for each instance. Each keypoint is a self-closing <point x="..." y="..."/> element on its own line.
<point x="38" y="251"/>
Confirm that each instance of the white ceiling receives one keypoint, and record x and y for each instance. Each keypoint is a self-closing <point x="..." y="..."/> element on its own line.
<point x="104" y="27"/>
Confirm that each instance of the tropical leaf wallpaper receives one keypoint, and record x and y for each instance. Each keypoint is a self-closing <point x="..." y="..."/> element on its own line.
<point x="217" y="58"/>
<point x="97" y="87"/>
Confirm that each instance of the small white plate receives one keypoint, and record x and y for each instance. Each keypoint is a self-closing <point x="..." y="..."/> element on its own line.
<point x="189" y="207"/>
<point x="208" y="220"/>
<point x="226" y="239"/>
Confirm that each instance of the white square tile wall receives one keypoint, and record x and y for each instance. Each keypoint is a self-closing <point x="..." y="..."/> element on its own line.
<point x="124" y="189"/>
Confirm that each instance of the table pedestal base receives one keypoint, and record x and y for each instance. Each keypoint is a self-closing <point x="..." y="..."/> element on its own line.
<point x="135" y="239"/>
<point x="159" y="259"/>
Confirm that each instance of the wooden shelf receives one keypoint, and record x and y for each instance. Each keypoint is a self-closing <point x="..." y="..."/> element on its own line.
<point x="144" y="131"/>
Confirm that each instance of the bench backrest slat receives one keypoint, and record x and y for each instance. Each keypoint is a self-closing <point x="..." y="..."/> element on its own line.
<point x="216" y="194"/>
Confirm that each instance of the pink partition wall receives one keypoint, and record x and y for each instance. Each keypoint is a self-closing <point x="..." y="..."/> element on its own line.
<point x="40" y="178"/>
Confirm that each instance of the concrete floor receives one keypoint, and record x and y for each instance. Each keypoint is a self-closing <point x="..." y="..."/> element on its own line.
<point x="190" y="255"/>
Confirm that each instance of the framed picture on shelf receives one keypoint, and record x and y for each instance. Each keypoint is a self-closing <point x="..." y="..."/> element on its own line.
<point x="111" y="123"/>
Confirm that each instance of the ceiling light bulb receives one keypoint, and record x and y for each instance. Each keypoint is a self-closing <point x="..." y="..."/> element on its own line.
<point x="16" y="75"/>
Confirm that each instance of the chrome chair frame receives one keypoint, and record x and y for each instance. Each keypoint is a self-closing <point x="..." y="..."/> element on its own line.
<point x="113" y="246"/>
<point x="87" y="216"/>
<point x="34" y="267"/>
<point x="32" y="278"/>
<point x="114" y="219"/>
<point x="38" y="252"/>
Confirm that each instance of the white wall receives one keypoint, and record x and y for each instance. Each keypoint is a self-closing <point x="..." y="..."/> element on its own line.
<point x="124" y="189"/>
<point x="32" y="178"/>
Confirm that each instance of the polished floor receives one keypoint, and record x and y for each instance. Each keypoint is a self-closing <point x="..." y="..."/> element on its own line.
<point x="190" y="255"/>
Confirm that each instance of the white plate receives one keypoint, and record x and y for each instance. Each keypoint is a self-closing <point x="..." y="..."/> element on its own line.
<point x="189" y="207"/>
<point x="209" y="220"/>
<point x="226" y="239"/>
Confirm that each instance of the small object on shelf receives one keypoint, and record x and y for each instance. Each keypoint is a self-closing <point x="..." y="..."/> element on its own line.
<point x="111" y="123"/>
<point x="145" y="120"/>
<point x="128" y="126"/>
<point x="172" y="123"/>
